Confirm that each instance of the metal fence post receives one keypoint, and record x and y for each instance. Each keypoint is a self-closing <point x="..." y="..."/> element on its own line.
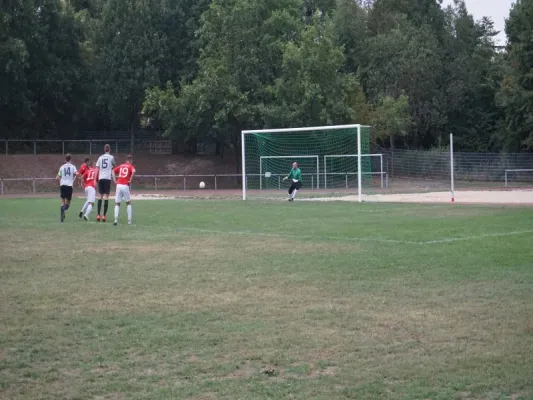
<point x="215" y="182"/>
<point x="63" y="146"/>
<point x="155" y="182"/>
<point x="2" y="186"/>
<point x="6" y="147"/>
<point x="505" y="178"/>
<point x="184" y="182"/>
<point x="116" y="146"/>
<point x="381" y="170"/>
<point x="346" y="181"/>
<point x="279" y="182"/>
<point x="90" y="147"/>
<point x="312" y="181"/>
<point x="34" y="147"/>
<point x="33" y="185"/>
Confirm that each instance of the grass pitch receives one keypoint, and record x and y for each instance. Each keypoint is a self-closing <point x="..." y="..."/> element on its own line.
<point x="266" y="300"/>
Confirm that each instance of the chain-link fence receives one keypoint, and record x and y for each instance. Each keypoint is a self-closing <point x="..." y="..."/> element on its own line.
<point x="394" y="171"/>
<point x="16" y="146"/>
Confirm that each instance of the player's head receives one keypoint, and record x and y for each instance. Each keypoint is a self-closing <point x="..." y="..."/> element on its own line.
<point x="68" y="157"/>
<point x="87" y="160"/>
<point x="107" y="148"/>
<point x="129" y="159"/>
<point x="294" y="165"/>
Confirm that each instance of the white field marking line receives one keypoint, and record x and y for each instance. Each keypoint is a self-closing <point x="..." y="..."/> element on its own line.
<point x="357" y="239"/>
<point x="275" y="235"/>
<point x="476" y="237"/>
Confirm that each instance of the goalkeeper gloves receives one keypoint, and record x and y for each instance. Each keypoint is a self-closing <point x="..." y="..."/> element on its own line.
<point x="295" y="180"/>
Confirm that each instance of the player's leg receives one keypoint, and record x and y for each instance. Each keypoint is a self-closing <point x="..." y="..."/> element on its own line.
<point x="126" y="195"/>
<point x="118" y="199"/>
<point x="291" y="189"/>
<point x="100" y="195"/>
<point x="130" y="212"/>
<point x="91" y="195"/>
<point x="107" y="190"/>
<point x="84" y="208"/>
<point x="85" y="205"/>
<point x="62" y="209"/>
<point x="68" y="198"/>
<point x="297" y="187"/>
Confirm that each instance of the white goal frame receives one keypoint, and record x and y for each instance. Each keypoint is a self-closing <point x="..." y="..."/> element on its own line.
<point x="305" y="129"/>
<point x="292" y="158"/>
<point x="351" y="155"/>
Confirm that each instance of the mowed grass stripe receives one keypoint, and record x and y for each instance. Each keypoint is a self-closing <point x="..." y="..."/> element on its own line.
<point x="355" y="239"/>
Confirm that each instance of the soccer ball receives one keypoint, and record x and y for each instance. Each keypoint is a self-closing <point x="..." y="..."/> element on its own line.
<point x="202" y="185"/>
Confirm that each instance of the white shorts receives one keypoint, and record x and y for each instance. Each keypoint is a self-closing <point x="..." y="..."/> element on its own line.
<point x="90" y="192"/>
<point x="122" y="193"/>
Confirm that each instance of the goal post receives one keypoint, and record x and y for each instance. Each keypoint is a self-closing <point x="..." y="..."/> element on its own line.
<point x="268" y="154"/>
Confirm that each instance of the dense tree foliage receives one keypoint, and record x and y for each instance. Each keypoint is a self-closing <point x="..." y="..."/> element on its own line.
<point x="203" y="70"/>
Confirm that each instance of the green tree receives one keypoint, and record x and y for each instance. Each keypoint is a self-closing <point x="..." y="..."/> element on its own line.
<point x="130" y="55"/>
<point x="408" y="60"/>
<point x="350" y="23"/>
<point x="517" y="87"/>
<point x="41" y="64"/>
<point x="472" y="80"/>
<point x="391" y="118"/>
<point x="312" y="89"/>
<point x="241" y="55"/>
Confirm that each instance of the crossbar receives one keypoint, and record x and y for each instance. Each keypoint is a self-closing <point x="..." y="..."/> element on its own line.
<point x="309" y="129"/>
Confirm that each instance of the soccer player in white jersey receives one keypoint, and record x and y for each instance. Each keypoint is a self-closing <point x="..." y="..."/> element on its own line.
<point x="66" y="175"/>
<point x="105" y="165"/>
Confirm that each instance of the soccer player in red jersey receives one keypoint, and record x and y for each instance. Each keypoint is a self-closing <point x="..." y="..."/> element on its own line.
<point x="89" y="177"/>
<point x="84" y="167"/>
<point x="122" y="176"/>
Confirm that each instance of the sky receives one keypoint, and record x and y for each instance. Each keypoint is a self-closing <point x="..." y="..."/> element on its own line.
<point x="497" y="10"/>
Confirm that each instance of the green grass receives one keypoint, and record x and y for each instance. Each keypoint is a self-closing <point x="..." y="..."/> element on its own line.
<point x="267" y="300"/>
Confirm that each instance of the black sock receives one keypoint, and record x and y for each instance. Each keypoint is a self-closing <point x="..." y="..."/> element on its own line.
<point x="99" y="206"/>
<point x="106" y="205"/>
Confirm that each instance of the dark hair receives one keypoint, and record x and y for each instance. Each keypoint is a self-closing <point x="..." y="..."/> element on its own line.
<point x="87" y="159"/>
<point x="107" y="148"/>
<point x="129" y="158"/>
<point x="68" y="157"/>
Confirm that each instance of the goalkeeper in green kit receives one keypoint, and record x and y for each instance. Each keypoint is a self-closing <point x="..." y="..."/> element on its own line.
<point x="296" y="175"/>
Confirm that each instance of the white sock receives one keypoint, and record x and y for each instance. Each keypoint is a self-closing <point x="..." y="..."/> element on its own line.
<point x="89" y="209"/>
<point x="85" y="206"/>
<point x="294" y="193"/>
<point x="130" y="212"/>
<point x="290" y="195"/>
<point x="117" y="211"/>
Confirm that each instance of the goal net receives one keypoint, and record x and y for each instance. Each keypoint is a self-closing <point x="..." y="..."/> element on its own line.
<point x="332" y="159"/>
